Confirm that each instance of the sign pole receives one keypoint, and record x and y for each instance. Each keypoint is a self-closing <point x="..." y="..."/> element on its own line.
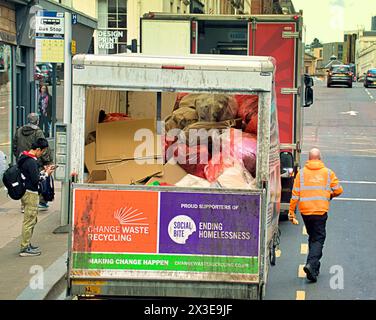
<point x="65" y="184"/>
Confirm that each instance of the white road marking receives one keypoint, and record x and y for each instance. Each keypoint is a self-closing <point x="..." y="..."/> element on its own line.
<point x="355" y="199"/>
<point x="358" y="182"/>
<point x="351" y="113"/>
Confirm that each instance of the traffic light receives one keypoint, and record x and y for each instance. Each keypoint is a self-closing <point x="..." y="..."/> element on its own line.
<point x="133" y="46"/>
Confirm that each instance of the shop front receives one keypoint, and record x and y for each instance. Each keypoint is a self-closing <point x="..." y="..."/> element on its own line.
<point x="7" y="45"/>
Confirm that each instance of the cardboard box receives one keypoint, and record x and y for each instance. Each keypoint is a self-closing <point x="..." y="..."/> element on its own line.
<point x="100" y="177"/>
<point x="172" y="173"/>
<point x="90" y="162"/>
<point x="116" y="141"/>
<point x="130" y="172"/>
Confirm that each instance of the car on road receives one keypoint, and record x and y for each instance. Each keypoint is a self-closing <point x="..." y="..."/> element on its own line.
<point x="340" y="74"/>
<point x="370" y="78"/>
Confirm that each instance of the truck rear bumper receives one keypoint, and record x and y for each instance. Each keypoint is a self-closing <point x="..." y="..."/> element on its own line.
<point x="159" y="289"/>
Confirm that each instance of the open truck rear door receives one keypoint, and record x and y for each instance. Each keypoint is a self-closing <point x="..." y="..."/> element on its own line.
<point x="211" y="242"/>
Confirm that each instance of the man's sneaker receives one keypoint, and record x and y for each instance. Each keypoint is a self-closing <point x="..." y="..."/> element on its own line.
<point x="35" y="248"/>
<point x="22" y="210"/>
<point x="43" y="206"/>
<point x="311" y="276"/>
<point x="28" y="252"/>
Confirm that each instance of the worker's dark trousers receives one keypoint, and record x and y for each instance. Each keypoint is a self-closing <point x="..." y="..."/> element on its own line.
<point x="315" y="225"/>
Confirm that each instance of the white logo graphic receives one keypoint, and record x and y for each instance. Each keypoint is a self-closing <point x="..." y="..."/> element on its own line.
<point x="316" y="180"/>
<point x="180" y="228"/>
<point x="129" y="215"/>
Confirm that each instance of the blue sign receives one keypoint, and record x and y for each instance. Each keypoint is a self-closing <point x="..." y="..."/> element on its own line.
<point x="50" y="14"/>
<point x="74" y="18"/>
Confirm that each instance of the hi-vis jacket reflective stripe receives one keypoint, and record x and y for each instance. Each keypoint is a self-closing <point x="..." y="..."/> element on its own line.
<point x="314" y="186"/>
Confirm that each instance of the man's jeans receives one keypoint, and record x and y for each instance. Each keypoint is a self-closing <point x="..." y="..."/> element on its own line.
<point x="316" y="229"/>
<point x="30" y="202"/>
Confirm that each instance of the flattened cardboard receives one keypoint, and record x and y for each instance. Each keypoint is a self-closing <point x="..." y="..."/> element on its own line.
<point x="130" y="172"/>
<point x="100" y="177"/>
<point x="116" y="140"/>
<point x="172" y="173"/>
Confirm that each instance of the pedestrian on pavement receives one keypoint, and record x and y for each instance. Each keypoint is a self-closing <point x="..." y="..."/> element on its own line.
<point x="24" y="137"/>
<point x="314" y="186"/>
<point x="29" y="167"/>
<point x="45" y="110"/>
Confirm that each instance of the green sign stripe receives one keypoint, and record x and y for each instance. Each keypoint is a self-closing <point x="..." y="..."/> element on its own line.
<point x="121" y="261"/>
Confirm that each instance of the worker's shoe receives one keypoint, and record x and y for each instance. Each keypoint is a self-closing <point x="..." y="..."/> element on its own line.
<point x="29" y="252"/>
<point x="311" y="275"/>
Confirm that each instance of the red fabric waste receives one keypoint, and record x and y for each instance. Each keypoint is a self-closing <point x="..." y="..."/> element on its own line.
<point x="192" y="159"/>
<point x="248" y="111"/>
<point x="110" y="117"/>
<point x="243" y="146"/>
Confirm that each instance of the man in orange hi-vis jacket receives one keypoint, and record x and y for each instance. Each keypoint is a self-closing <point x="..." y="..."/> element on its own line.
<point x="314" y="186"/>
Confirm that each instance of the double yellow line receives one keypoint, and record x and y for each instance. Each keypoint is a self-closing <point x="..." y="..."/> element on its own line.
<point x="300" y="294"/>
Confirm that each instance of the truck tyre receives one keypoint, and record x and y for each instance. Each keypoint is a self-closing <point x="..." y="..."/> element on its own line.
<point x="350" y="85"/>
<point x="328" y="85"/>
<point x="283" y="216"/>
<point x="272" y="254"/>
<point x="262" y="291"/>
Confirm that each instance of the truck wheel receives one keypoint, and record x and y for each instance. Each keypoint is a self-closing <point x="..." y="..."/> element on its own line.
<point x="328" y="85"/>
<point x="272" y="255"/>
<point x="283" y="216"/>
<point x="262" y="291"/>
<point x="350" y="85"/>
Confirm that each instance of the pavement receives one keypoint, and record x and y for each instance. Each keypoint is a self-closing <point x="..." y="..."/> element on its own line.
<point x="32" y="278"/>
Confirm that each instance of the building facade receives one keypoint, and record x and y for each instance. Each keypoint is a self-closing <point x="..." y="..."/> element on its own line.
<point x="332" y="49"/>
<point x="310" y="63"/>
<point x="18" y="88"/>
<point x="349" y="46"/>
<point x="119" y="20"/>
<point x="365" y="52"/>
<point x="8" y="41"/>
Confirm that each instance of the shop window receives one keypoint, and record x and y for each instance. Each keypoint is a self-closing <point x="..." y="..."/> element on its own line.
<point x="112" y="26"/>
<point x="5" y="103"/>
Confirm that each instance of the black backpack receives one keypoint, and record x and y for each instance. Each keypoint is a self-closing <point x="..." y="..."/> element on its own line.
<point x="47" y="189"/>
<point x="14" y="181"/>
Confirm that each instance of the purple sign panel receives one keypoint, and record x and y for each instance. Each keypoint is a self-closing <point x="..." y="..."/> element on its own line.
<point x="209" y="224"/>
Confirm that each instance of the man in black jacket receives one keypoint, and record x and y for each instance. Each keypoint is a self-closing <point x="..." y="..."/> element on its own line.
<point x="24" y="137"/>
<point x="29" y="167"/>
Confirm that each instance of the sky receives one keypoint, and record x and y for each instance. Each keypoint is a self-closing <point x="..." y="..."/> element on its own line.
<point x="328" y="19"/>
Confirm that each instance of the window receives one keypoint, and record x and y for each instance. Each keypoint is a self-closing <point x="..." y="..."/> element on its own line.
<point x="320" y="53"/>
<point x="5" y="105"/>
<point x="112" y="26"/>
<point x="340" y="69"/>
